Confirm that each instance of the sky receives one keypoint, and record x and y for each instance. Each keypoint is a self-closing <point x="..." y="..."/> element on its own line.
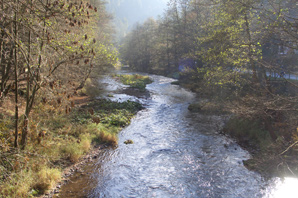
<point x="129" y="12"/>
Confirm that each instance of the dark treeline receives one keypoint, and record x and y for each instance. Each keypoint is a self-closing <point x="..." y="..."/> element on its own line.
<point x="230" y="50"/>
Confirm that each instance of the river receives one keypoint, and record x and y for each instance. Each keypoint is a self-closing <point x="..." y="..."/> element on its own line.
<point x="175" y="153"/>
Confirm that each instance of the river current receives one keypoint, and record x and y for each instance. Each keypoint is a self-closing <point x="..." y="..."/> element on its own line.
<point x="175" y="153"/>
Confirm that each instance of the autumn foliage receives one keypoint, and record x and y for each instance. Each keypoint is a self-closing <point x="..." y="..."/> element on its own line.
<point x="48" y="50"/>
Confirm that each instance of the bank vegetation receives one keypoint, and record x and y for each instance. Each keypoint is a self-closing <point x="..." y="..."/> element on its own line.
<point x="51" y="52"/>
<point x="242" y="57"/>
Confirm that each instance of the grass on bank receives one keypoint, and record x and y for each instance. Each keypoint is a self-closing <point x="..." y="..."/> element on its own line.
<point x="253" y="133"/>
<point x="65" y="138"/>
<point x="269" y="157"/>
<point x="135" y="81"/>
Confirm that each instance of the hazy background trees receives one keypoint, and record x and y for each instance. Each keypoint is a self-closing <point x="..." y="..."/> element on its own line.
<point x="128" y="12"/>
<point x="234" y="49"/>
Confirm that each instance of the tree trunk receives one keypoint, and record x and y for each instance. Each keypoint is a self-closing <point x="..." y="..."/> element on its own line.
<point x="250" y="50"/>
<point x="16" y="74"/>
<point x="31" y="97"/>
<point x="25" y="128"/>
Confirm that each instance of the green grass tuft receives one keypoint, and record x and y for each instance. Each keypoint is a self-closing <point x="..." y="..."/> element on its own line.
<point x="135" y="81"/>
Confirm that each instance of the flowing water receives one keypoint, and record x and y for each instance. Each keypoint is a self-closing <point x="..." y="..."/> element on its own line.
<point x="175" y="154"/>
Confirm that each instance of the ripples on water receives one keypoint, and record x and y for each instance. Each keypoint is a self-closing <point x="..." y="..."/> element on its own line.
<point x="175" y="154"/>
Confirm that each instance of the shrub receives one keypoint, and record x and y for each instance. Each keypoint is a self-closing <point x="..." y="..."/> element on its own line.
<point x="85" y="143"/>
<point x="46" y="179"/>
<point x="107" y="138"/>
<point x="72" y="151"/>
<point x="91" y="88"/>
<point x="78" y="130"/>
<point x="248" y="130"/>
<point x="135" y="81"/>
<point x="18" y="186"/>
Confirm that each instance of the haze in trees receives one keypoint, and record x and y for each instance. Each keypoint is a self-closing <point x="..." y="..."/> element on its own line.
<point x="242" y="54"/>
<point x="129" y="12"/>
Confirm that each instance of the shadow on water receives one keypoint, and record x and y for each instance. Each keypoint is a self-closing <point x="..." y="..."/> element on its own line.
<point x="175" y="154"/>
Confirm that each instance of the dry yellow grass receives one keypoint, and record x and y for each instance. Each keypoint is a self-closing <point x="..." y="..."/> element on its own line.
<point x="85" y="145"/>
<point x="46" y="179"/>
<point x="107" y="138"/>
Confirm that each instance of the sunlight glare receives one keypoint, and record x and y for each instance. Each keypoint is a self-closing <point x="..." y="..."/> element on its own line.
<point x="288" y="188"/>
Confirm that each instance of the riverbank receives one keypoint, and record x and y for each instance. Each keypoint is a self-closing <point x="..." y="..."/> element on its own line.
<point x="61" y="141"/>
<point x="66" y="139"/>
<point x="271" y="157"/>
<point x="175" y="154"/>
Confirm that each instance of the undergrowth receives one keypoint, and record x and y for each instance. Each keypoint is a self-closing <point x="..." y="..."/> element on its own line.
<point x="266" y="158"/>
<point x="248" y="131"/>
<point x="262" y="123"/>
<point x="56" y="140"/>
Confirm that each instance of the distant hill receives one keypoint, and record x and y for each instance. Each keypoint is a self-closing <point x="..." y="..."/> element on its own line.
<point x="129" y="12"/>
